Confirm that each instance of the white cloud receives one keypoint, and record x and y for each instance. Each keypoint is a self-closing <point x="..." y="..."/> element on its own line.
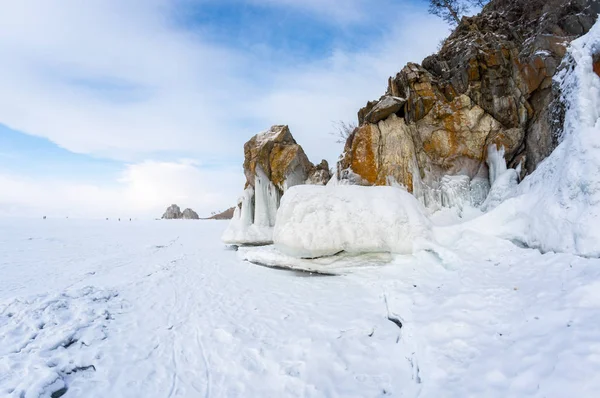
<point x="168" y="90"/>
<point x="143" y="190"/>
<point x="117" y="79"/>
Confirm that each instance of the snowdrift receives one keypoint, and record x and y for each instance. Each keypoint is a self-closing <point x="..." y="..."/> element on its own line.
<point x="316" y="221"/>
<point x="557" y="207"/>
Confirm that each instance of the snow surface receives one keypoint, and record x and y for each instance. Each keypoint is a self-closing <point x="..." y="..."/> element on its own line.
<point x="159" y="309"/>
<point x="315" y="221"/>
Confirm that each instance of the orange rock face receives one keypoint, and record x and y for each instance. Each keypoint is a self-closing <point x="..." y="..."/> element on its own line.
<point x="279" y="156"/>
<point x="276" y="152"/>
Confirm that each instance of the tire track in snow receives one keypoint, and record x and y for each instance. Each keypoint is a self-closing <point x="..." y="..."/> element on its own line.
<point x="206" y="363"/>
<point x="171" y="327"/>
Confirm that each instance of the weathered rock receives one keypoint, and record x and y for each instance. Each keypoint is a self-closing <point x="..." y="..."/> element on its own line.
<point x="364" y="111"/>
<point x="387" y="106"/>
<point x="173" y="212"/>
<point x="491" y="83"/>
<point x="319" y="174"/>
<point x="189" y="214"/>
<point x="278" y="155"/>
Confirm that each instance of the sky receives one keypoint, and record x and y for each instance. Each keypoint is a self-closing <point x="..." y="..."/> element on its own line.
<point x="118" y="108"/>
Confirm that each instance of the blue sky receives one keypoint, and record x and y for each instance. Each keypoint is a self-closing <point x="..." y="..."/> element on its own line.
<point x="113" y="108"/>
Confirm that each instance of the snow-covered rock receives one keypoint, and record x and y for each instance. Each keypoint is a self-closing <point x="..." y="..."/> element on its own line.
<point x="315" y="221"/>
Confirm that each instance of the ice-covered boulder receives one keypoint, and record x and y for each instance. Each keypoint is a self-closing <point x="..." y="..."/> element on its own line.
<point x="316" y="221"/>
<point x="189" y="214"/>
<point x="273" y="163"/>
<point x="173" y="212"/>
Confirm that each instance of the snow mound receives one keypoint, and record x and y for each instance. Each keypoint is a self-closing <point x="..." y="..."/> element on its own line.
<point x="316" y="221"/>
<point x="557" y="207"/>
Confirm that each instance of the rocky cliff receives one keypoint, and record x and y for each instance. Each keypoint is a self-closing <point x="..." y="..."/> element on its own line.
<point x="487" y="93"/>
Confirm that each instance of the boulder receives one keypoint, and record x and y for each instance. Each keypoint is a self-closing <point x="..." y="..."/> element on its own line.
<point x="319" y="174"/>
<point x="387" y="106"/>
<point x="189" y="214"/>
<point x="278" y="156"/>
<point x="173" y="212"/>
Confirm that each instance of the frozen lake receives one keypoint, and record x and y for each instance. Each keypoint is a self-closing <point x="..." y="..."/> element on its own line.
<point x="164" y="309"/>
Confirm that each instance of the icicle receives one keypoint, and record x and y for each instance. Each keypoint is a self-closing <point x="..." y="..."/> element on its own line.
<point x="496" y="162"/>
<point x="266" y="200"/>
<point x="479" y="187"/>
<point x="456" y="191"/>
<point x="246" y="214"/>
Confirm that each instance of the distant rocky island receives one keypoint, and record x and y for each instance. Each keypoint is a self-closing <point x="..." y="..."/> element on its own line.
<point x="173" y="212"/>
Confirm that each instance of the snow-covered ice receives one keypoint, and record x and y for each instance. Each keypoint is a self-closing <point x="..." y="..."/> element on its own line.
<point x="158" y="309"/>
<point x="315" y="221"/>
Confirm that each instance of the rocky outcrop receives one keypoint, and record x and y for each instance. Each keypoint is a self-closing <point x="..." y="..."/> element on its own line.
<point x="276" y="154"/>
<point x="319" y="174"/>
<point x="225" y="215"/>
<point x="273" y="162"/>
<point x="489" y="86"/>
<point x="189" y="214"/>
<point x="173" y="212"/>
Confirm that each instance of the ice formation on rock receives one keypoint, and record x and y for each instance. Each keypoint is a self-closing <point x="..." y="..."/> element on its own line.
<point x="315" y="221"/>
<point x="242" y="229"/>
<point x="452" y="191"/>
<point x="557" y="207"/>
<point x="496" y="162"/>
<point x="266" y="200"/>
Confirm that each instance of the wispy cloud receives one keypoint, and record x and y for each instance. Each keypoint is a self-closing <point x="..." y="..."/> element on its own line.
<point x="126" y="81"/>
